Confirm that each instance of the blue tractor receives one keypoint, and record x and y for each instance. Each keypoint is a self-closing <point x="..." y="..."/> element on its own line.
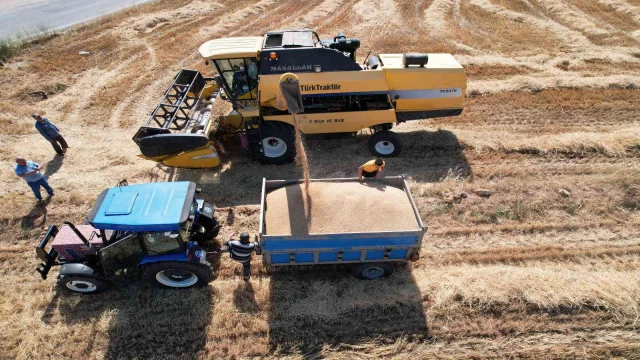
<point x="156" y="231"/>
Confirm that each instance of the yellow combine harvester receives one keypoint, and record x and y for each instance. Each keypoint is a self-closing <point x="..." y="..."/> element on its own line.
<point x="339" y="96"/>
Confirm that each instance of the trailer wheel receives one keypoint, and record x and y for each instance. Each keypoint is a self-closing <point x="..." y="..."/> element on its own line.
<point x="278" y="142"/>
<point x="82" y="284"/>
<point x="370" y="271"/>
<point x="177" y="274"/>
<point x="385" y="143"/>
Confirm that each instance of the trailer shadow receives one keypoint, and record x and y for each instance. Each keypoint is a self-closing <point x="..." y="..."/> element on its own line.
<point x="319" y="308"/>
<point x="144" y="322"/>
<point x="428" y="156"/>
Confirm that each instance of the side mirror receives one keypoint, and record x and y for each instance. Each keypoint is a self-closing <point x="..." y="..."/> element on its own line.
<point x="218" y="79"/>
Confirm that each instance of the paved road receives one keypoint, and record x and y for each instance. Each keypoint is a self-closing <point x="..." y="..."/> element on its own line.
<point x="20" y="17"/>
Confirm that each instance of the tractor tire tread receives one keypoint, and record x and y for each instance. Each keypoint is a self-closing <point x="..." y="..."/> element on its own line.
<point x="204" y="272"/>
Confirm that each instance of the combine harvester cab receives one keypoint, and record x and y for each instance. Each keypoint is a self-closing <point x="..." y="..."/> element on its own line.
<point x="339" y="96"/>
<point x="157" y="231"/>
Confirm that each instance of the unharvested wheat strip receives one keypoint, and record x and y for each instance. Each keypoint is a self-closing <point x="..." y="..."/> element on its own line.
<point x="573" y="38"/>
<point x="436" y="16"/>
<point x="623" y="7"/>
<point x="575" y="17"/>
<point x="334" y="207"/>
<point x="320" y="12"/>
<point x="570" y="80"/>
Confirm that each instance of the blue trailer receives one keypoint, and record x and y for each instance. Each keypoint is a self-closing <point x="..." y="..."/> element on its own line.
<point x="369" y="253"/>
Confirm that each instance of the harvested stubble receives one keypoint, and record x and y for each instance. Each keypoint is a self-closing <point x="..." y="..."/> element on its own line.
<point x="338" y="207"/>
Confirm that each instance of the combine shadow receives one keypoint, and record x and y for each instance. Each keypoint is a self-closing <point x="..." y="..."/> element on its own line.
<point x="319" y="308"/>
<point x="145" y="322"/>
<point x="428" y="156"/>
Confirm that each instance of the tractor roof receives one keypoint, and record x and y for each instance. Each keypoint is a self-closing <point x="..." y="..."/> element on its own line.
<point x="161" y="206"/>
<point x="229" y="48"/>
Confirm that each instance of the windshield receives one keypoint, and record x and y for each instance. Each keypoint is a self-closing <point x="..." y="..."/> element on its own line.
<point x="240" y="76"/>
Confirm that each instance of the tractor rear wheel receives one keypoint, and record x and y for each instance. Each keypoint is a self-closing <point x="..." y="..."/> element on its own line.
<point x="278" y="142"/>
<point x="82" y="284"/>
<point x="177" y="274"/>
<point x="385" y="143"/>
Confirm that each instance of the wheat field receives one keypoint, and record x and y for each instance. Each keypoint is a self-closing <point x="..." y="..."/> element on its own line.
<point x="529" y="272"/>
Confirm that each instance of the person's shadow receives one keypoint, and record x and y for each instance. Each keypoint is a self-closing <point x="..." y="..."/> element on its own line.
<point x="245" y="298"/>
<point x="53" y="165"/>
<point x="37" y="217"/>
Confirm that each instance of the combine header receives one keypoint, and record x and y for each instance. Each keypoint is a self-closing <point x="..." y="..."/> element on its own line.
<point x="339" y="96"/>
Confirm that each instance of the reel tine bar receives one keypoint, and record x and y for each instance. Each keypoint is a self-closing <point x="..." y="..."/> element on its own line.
<point x="172" y="113"/>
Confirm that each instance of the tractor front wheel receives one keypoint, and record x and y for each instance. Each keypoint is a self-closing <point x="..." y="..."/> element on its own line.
<point x="177" y="274"/>
<point x="82" y="284"/>
<point x="385" y="143"/>
<point x="278" y="142"/>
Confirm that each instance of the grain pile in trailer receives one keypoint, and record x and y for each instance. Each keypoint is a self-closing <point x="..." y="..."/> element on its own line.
<point x="338" y="207"/>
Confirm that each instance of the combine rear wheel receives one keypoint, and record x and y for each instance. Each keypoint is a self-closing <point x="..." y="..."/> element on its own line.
<point x="277" y="142"/>
<point x="385" y="143"/>
<point x="177" y="274"/>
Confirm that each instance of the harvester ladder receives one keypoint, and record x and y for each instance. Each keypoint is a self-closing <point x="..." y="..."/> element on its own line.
<point x="254" y="138"/>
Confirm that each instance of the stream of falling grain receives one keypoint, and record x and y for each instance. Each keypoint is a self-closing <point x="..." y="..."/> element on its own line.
<point x="301" y="154"/>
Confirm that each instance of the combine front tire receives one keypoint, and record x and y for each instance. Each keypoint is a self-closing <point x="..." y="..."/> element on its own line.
<point x="177" y="274"/>
<point x="385" y="143"/>
<point x="278" y="142"/>
<point x="82" y="284"/>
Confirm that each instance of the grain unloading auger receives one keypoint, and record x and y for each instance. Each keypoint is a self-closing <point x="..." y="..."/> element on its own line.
<point x="339" y="96"/>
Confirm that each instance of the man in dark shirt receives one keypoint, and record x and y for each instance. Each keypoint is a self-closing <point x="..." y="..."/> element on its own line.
<point x="51" y="132"/>
<point x="241" y="252"/>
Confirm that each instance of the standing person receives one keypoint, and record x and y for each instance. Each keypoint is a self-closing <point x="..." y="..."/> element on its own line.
<point x="241" y="252"/>
<point x="371" y="169"/>
<point x="30" y="172"/>
<point x="51" y="132"/>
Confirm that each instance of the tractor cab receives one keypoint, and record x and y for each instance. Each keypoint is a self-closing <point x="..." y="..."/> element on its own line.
<point x="132" y="229"/>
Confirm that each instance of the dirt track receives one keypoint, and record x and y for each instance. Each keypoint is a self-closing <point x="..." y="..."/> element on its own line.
<point x="527" y="273"/>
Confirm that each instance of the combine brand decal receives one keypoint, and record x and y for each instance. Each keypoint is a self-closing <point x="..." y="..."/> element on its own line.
<point x="426" y="94"/>
<point x="320" y="87"/>
<point x="292" y="68"/>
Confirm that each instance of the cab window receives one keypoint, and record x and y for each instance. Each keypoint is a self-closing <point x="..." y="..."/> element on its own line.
<point x="158" y="243"/>
<point x="241" y="76"/>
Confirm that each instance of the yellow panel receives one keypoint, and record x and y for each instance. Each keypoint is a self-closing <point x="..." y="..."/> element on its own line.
<point x="232" y="119"/>
<point x="208" y="90"/>
<point x="327" y="83"/>
<point x="440" y="85"/>
<point x="204" y="157"/>
<point x="338" y="121"/>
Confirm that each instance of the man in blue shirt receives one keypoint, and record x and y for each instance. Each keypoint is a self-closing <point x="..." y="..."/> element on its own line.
<point x="30" y="172"/>
<point x="50" y="132"/>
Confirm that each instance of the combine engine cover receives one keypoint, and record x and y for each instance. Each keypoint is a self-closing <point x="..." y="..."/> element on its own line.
<point x="423" y="86"/>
